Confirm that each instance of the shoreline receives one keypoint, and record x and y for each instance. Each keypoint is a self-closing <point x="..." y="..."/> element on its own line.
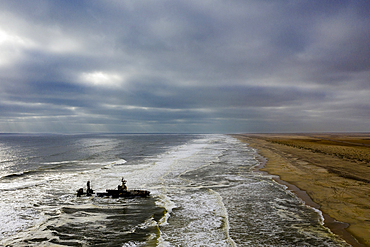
<point x="336" y="227"/>
<point x="276" y="159"/>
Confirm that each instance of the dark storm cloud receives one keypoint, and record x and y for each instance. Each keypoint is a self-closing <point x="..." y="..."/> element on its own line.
<point x="184" y="66"/>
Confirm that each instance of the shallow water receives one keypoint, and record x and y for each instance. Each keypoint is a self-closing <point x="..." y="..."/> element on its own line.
<point x="203" y="193"/>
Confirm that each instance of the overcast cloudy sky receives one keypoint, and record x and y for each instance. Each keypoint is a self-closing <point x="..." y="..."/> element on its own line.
<point x="184" y="66"/>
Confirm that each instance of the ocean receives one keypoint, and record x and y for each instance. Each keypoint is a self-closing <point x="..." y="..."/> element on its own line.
<point x="204" y="192"/>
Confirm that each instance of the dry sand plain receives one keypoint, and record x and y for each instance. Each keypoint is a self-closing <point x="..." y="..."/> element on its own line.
<point x="332" y="169"/>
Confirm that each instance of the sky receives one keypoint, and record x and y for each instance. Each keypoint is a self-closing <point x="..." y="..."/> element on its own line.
<point x="185" y="66"/>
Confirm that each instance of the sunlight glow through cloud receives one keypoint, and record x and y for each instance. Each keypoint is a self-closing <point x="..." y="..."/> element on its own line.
<point x="10" y="46"/>
<point x="101" y="79"/>
<point x="7" y="38"/>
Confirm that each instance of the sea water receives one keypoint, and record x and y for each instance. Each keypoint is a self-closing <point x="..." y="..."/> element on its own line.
<point x="204" y="192"/>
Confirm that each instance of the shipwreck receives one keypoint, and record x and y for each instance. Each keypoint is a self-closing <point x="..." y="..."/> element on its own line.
<point x="121" y="191"/>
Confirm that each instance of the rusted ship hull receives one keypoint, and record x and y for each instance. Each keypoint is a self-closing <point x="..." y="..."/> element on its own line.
<point x="124" y="193"/>
<point x="120" y="192"/>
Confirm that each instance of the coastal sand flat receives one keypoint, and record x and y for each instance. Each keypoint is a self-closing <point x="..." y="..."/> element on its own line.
<point x="334" y="170"/>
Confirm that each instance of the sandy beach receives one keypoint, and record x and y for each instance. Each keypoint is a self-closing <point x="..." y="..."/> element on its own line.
<point x="328" y="171"/>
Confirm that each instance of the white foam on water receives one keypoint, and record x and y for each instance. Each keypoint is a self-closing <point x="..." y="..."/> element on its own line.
<point x="200" y="211"/>
<point x="202" y="219"/>
<point x="108" y="164"/>
<point x="151" y="172"/>
<point x="61" y="162"/>
<point x="224" y="214"/>
<point x="165" y="202"/>
<point x="19" y="185"/>
<point x="15" y="217"/>
<point x="133" y="244"/>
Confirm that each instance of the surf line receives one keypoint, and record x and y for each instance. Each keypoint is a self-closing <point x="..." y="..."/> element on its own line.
<point x="334" y="226"/>
<point x="226" y="226"/>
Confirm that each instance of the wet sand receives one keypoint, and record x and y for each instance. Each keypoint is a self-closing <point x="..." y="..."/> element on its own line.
<point x="330" y="172"/>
